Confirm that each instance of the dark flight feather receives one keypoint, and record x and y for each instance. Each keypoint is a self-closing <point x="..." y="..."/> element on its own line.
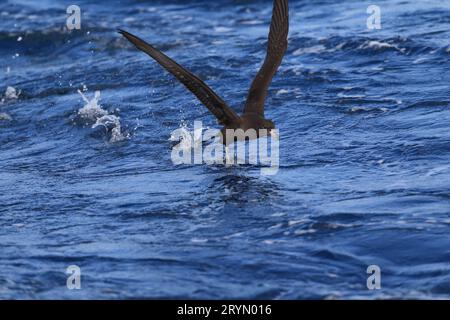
<point x="276" y="48"/>
<point x="224" y="114"/>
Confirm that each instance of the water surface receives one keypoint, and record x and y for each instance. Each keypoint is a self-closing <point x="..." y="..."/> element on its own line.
<point x="364" y="167"/>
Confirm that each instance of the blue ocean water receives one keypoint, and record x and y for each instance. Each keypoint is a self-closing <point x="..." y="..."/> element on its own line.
<point x="364" y="119"/>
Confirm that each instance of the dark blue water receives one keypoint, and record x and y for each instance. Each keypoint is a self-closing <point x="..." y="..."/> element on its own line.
<point x="364" y="118"/>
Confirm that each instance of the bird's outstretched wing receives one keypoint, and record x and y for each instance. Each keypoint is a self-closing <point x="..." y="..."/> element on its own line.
<point x="276" y="48"/>
<point x="225" y="115"/>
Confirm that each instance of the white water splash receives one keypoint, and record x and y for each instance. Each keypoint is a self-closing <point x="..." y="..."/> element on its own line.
<point x="93" y="112"/>
<point x="11" y="93"/>
<point x="188" y="139"/>
<point x="5" y="117"/>
<point x="112" y="124"/>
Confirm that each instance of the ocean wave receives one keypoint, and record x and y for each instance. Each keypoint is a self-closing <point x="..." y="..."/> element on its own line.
<point x="363" y="118"/>
<point x="335" y="44"/>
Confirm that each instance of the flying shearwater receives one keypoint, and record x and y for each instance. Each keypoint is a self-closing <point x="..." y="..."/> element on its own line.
<point x="253" y="115"/>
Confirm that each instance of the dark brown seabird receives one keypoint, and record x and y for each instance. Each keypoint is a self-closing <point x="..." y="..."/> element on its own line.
<point x="253" y="116"/>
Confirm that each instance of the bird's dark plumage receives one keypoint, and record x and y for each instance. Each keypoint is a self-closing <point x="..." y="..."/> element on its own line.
<point x="205" y="94"/>
<point x="276" y="48"/>
<point x="253" y="116"/>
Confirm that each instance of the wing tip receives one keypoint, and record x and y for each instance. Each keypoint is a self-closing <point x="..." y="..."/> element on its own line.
<point x="132" y="38"/>
<point x="126" y="34"/>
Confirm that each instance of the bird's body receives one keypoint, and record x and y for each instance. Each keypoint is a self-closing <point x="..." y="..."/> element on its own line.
<point x="248" y="121"/>
<point x="253" y="115"/>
